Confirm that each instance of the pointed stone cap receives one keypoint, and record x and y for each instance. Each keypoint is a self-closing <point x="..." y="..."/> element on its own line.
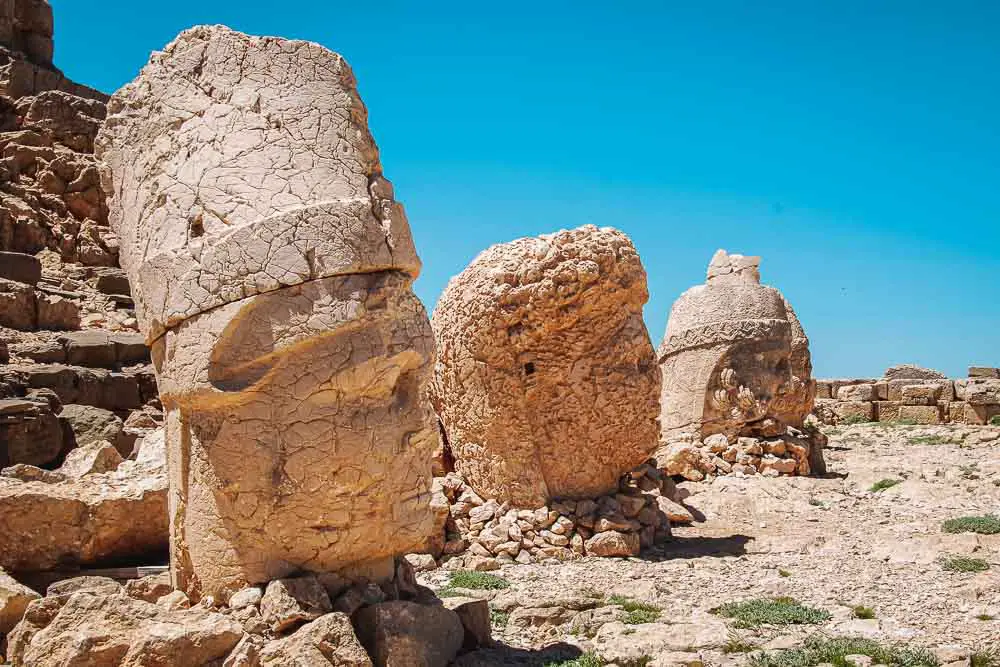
<point x="726" y="268"/>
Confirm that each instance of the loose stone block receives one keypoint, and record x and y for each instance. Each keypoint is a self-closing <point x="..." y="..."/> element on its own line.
<point x="887" y="411"/>
<point x="920" y="394"/>
<point x="857" y="392"/>
<point x="272" y="274"/>
<point x="854" y="410"/>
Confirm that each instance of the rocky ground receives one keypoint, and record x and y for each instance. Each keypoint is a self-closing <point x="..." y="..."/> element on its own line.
<point x="832" y="544"/>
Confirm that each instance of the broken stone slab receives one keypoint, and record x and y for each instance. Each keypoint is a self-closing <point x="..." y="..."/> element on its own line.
<point x="111" y="280"/>
<point x="401" y="633"/>
<point x="86" y="424"/>
<point x="95" y="348"/>
<point x="95" y="457"/>
<point x="290" y="602"/>
<point x="546" y="379"/>
<point x="20" y="267"/>
<point x="128" y="631"/>
<point x="149" y="588"/>
<point x="328" y="641"/>
<point x="97" y="518"/>
<point x="18" y="308"/>
<point x="475" y="616"/>
<point x="14" y="600"/>
<point x="29" y="433"/>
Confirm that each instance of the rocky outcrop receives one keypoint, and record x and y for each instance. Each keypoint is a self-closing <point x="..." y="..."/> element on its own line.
<point x="83" y="515"/>
<point x="735" y="363"/>
<point x="546" y="380"/>
<point x="271" y="269"/>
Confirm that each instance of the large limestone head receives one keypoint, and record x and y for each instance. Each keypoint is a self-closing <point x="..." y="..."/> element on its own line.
<point x="545" y="379"/>
<point x="735" y="359"/>
<point x="272" y="272"/>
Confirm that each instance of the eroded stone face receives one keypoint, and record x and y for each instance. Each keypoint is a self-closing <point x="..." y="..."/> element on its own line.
<point x="545" y="379"/>
<point x="272" y="272"/>
<point x="735" y="359"/>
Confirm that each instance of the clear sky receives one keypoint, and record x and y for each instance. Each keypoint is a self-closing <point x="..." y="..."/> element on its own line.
<point x="855" y="145"/>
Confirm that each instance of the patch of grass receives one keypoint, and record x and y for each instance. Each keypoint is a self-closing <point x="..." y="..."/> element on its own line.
<point x="930" y="440"/>
<point x="784" y="573"/>
<point x="449" y="593"/>
<point x="985" y="617"/>
<point x="779" y="611"/>
<point x="498" y="619"/>
<point x="588" y="659"/>
<point x="884" y="484"/>
<point x="987" y="524"/>
<point x="860" y="611"/>
<point x="834" y="651"/>
<point x="964" y="564"/>
<point x="477" y="580"/>
<point x="995" y="420"/>
<point x="850" y="420"/>
<point x="986" y="657"/>
<point x="636" y="612"/>
<point x="904" y="422"/>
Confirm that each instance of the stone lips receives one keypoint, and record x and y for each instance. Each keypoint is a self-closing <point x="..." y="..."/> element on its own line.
<point x="213" y="191"/>
<point x="545" y="379"/>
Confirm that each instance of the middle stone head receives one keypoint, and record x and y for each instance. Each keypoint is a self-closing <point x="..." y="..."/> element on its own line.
<point x="546" y="381"/>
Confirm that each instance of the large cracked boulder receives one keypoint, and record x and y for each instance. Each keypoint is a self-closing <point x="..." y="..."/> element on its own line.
<point x="546" y="381"/>
<point x="271" y="269"/>
<point x="735" y="359"/>
<point x="65" y="518"/>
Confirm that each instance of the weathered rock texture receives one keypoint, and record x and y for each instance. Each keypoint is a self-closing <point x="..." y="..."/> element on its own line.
<point x="546" y="379"/>
<point x="271" y="270"/>
<point x="735" y="358"/>
<point x="910" y="394"/>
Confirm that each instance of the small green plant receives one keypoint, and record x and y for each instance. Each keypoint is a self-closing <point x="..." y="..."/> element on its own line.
<point x="964" y="564"/>
<point x="995" y="420"/>
<point x="905" y="422"/>
<point x="815" y="502"/>
<point x="737" y="644"/>
<point x="969" y="472"/>
<point x="588" y="659"/>
<point x="477" y="580"/>
<point x="985" y="617"/>
<point x="986" y="657"/>
<point x="987" y="524"/>
<point x="784" y="573"/>
<point x="834" y="651"/>
<point x="860" y="611"/>
<point x="498" y="619"/>
<point x="636" y="612"/>
<point x="449" y="593"/>
<point x="884" y="484"/>
<point x="779" y="611"/>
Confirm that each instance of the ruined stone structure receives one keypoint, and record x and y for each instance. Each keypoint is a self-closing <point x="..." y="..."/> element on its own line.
<point x="272" y="269"/>
<point x="546" y="380"/>
<point x="735" y="364"/>
<point x="910" y="394"/>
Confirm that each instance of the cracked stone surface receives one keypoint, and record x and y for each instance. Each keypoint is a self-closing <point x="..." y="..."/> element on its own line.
<point x="272" y="270"/>
<point x="735" y="359"/>
<point x="546" y="381"/>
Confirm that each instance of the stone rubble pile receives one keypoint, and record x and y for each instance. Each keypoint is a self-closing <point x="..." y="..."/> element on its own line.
<point x="483" y="534"/>
<point x="305" y="621"/>
<point x="910" y="394"/>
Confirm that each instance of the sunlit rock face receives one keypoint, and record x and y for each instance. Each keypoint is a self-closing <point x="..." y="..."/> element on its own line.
<point x="734" y="359"/>
<point x="272" y="270"/>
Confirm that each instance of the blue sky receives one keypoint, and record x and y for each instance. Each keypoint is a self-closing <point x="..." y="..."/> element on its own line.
<point x="854" y="145"/>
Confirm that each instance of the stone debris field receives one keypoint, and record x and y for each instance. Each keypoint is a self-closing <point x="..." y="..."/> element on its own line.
<point x="232" y="436"/>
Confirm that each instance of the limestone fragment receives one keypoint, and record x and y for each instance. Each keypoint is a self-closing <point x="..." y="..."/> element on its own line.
<point x="545" y="379"/>
<point x="271" y="269"/>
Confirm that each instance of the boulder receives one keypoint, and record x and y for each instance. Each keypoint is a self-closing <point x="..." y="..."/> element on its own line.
<point x="289" y="602"/>
<point x="272" y="275"/>
<point x="613" y="543"/>
<point x="14" y="600"/>
<point x="403" y="634"/>
<point x="94" y="457"/>
<point x="150" y="588"/>
<point x="127" y="632"/>
<point x="911" y="372"/>
<point x="29" y="433"/>
<point x="735" y="359"/>
<point x="328" y="641"/>
<point x="546" y="379"/>
<point x="85" y="424"/>
<point x="96" y="519"/>
<point x="111" y="280"/>
<point x="475" y="616"/>
<point x="20" y="267"/>
<point x="18" y="309"/>
<point x="57" y="313"/>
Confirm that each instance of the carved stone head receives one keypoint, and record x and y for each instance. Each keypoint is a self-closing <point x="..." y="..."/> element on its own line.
<point x="734" y="359"/>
